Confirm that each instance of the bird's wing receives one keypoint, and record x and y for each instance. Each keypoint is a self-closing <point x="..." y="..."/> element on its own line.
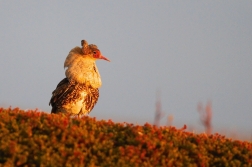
<point x="65" y="93"/>
<point x="91" y="98"/>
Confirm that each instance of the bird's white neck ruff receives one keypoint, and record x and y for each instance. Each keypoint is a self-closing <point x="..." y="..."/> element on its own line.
<point x="82" y="69"/>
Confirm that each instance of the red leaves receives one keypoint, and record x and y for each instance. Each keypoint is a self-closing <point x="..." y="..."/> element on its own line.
<point x="12" y="147"/>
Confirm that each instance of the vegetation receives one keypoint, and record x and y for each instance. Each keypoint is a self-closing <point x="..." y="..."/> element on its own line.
<point x="35" y="138"/>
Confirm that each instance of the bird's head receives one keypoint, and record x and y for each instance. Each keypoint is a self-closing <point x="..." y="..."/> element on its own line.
<point x="92" y="51"/>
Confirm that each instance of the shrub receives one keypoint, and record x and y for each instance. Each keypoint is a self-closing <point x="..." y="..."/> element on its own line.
<point x="35" y="138"/>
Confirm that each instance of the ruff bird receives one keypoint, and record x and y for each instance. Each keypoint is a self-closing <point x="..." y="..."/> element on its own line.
<point x="78" y="93"/>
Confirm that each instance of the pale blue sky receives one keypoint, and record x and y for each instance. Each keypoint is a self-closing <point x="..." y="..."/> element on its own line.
<point x="192" y="51"/>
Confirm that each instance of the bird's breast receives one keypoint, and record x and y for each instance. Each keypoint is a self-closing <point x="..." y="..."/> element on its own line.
<point x="84" y="72"/>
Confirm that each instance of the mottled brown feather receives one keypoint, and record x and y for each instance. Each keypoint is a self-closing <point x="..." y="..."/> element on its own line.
<point x="69" y="92"/>
<point x="91" y="99"/>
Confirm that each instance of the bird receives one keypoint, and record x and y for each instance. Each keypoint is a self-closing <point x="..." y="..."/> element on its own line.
<point x="78" y="92"/>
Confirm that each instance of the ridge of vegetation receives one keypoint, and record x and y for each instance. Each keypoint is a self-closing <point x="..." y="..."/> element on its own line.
<point x="32" y="138"/>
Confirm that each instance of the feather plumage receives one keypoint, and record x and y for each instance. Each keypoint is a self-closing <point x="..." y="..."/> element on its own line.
<point x="78" y="93"/>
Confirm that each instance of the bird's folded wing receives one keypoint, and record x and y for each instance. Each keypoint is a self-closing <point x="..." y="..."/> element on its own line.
<point x="91" y="98"/>
<point x="64" y="93"/>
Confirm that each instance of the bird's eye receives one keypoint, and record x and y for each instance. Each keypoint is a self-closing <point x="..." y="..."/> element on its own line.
<point x="94" y="52"/>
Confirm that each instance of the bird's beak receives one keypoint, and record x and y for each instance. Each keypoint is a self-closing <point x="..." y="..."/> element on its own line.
<point x="104" y="58"/>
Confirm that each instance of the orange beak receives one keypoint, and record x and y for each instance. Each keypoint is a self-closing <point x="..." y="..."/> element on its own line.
<point x="103" y="57"/>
